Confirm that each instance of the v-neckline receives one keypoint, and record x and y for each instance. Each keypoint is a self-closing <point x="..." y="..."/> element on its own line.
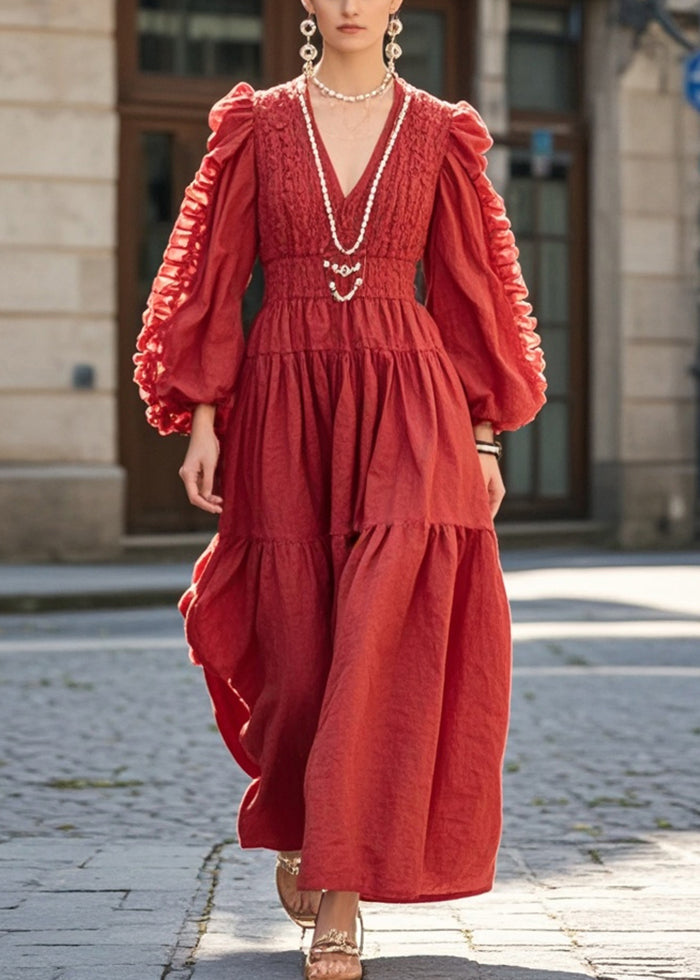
<point x="377" y="152"/>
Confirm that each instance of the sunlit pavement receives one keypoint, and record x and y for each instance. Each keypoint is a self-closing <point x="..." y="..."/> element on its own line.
<point x="117" y="853"/>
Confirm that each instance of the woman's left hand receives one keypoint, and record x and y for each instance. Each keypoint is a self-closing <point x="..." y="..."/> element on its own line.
<point x="495" y="486"/>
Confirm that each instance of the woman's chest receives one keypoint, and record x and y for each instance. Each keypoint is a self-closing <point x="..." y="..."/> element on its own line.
<point x="349" y="134"/>
<point x="314" y="190"/>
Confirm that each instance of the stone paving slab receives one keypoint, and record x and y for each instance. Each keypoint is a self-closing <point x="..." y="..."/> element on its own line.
<point x="126" y="971"/>
<point x="76" y="579"/>
<point x="81" y="907"/>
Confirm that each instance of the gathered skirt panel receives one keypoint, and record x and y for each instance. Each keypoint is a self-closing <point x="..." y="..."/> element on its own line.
<point x="335" y="433"/>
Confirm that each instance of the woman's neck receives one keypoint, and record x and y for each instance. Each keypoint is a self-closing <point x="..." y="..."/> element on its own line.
<point x="351" y="74"/>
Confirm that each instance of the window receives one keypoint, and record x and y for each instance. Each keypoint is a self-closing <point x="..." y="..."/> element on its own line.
<point x="537" y="463"/>
<point x="200" y="38"/>
<point x="542" y="57"/>
<point x="424" y="49"/>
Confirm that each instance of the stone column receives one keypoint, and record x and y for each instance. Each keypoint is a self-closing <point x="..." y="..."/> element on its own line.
<point x="60" y="485"/>
<point x="644" y="262"/>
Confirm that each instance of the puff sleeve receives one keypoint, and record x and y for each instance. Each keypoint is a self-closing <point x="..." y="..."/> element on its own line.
<point x="192" y="342"/>
<point x="474" y="285"/>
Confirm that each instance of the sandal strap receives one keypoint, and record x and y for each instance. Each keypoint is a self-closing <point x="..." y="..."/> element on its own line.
<point x="290" y="865"/>
<point x="335" y="941"/>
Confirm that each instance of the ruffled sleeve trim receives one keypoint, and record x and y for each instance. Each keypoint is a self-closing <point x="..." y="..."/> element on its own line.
<point x="231" y="122"/>
<point x="470" y="140"/>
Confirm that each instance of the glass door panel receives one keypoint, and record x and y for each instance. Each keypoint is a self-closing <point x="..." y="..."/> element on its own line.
<point x="542" y="63"/>
<point x="555" y="341"/>
<point x="423" y="42"/>
<point x="518" y="463"/>
<point x="552" y="286"/>
<point x="201" y="38"/>
<point x="537" y="458"/>
<point x="553" y="441"/>
<point x="156" y="207"/>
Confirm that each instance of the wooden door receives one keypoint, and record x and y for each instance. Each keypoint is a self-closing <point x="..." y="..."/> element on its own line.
<point x="546" y="463"/>
<point x="176" y="59"/>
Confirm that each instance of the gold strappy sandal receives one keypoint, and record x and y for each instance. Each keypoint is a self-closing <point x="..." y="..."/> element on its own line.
<point x="335" y="941"/>
<point x="292" y="866"/>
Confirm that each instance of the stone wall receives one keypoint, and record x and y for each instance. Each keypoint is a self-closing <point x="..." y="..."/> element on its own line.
<point x="645" y="192"/>
<point x="60" y="487"/>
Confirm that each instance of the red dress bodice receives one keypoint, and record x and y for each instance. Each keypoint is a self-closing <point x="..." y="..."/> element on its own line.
<point x="258" y="193"/>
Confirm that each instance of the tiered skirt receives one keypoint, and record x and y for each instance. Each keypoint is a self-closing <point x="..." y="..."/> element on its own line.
<point x="350" y="616"/>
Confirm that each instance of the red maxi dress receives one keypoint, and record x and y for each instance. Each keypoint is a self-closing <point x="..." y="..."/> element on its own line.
<point x="350" y="614"/>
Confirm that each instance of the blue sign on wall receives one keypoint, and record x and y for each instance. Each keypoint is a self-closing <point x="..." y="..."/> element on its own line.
<point x="692" y="79"/>
<point x="542" y="152"/>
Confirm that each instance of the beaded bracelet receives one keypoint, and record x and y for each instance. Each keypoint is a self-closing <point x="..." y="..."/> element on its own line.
<point x="489" y="448"/>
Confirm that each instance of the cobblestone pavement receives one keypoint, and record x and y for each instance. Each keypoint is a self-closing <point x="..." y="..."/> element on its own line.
<point x="117" y="856"/>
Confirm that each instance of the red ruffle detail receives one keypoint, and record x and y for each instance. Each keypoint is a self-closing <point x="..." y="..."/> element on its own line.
<point x="177" y="278"/>
<point x="502" y="248"/>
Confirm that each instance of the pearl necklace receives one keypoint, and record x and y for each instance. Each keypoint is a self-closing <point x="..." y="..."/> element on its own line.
<point x="355" y="98"/>
<point x="346" y="270"/>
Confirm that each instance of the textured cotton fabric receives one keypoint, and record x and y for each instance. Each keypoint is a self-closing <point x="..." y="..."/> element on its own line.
<point x="350" y="615"/>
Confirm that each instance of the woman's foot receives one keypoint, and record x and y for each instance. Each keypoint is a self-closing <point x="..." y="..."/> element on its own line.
<point x="335" y="928"/>
<point x="299" y="905"/>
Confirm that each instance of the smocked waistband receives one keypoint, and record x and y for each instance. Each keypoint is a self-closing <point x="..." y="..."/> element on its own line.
<point x="307" y="276"/>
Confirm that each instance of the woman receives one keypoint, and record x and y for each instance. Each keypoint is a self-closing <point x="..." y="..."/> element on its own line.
<point x="350" y="615"/>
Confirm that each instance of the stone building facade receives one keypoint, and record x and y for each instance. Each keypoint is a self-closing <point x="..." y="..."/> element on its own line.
<point x="644" y="279"/>
<point x="61" y="485"/>
<point x="78" y="117"/>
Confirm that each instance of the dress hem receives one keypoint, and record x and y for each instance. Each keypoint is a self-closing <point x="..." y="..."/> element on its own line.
<point x="369" y="894"/>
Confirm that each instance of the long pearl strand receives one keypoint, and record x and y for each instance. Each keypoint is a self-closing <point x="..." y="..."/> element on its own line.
<point x="346" y="270"/>
<point x="355" y="98"/>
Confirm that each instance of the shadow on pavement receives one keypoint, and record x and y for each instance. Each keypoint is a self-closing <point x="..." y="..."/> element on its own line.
<point x="542" y="558"/>
<point x="456" y="968"/>
<point x="289" y="965"/>
<point x="565" y="609"/>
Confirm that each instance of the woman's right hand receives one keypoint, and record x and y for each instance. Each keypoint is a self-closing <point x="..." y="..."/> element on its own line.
<point x="199" y="466"/>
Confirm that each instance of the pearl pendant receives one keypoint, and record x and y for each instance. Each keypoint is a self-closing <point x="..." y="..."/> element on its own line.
<point x="342" y="270"/>
<point x="345" y="271"/>
<point x="344" y="298"/>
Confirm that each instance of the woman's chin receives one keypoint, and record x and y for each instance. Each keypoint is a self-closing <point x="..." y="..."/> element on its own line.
<point x="349" y="42"/>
